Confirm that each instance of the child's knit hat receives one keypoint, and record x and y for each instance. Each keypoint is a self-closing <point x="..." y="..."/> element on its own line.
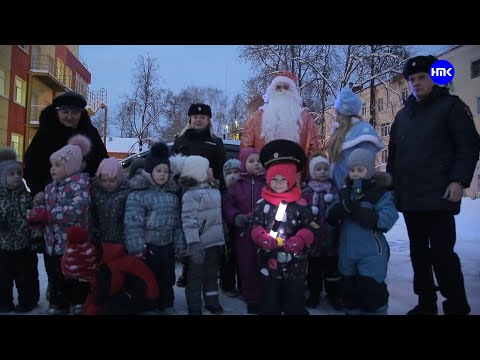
<point x="244" y="154"/>
<point x="316" y="160"/>
<point x="362" y="157"/>
<point x="8" y="162"/>
<point x="72" y="154"/>
<point x="195" y="167"/>
<point x="230" y="164"/>
<point x="159" y="154"/>
<point x="111" y="167"/>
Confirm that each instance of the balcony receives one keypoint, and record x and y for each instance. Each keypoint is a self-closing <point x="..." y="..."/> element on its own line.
<point x="45" y="68"/>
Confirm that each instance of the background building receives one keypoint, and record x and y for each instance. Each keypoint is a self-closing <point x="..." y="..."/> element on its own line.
<point x="30" y="77"/>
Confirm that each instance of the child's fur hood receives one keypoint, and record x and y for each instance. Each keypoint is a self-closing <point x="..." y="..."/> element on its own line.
<point x="382" y="180"/>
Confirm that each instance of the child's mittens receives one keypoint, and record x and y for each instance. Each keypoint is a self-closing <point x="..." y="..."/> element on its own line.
<point x="241" y="220"/>
<point x="328" y="198"/>
<point x="196" y="252"/>
<point x="298" y="242"/>
<point x="39" y="217"/>
<point x="261" y="238"/>
<point x="314" y="210"/>
<point x="294" y="244"/>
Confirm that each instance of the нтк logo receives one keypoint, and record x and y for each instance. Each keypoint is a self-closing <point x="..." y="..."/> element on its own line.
<point x="442" y="72"/>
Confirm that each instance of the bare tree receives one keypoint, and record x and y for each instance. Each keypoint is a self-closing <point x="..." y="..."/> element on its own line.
<point x="98" y="120"/>
<point x="140" y="111"/>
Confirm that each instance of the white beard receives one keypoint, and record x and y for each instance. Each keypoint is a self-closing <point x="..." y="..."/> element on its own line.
<point x="280" y="117"/>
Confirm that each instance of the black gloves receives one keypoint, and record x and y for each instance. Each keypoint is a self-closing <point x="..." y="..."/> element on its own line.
<point x="365" y="217"/>
<point x="241" y="220"/>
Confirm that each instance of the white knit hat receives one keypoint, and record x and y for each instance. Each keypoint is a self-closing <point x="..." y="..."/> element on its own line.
<point x="195" y="167"/>
<point x="314" y="161"/>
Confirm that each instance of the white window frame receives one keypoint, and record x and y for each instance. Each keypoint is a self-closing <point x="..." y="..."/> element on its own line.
<point x="21" y="98"/>
<point x="17" y="145"/>
<point x="3" y="82"/>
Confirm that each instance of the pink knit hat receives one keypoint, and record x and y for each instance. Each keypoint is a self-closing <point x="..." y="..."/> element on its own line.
<point x="111" y="167"/>
<point x="71" y="155"/>
<point x="244" y="154"/>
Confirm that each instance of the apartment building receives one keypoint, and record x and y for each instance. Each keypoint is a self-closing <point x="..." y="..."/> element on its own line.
<point x="389" y="97"/>
<point x="30" y="77"/>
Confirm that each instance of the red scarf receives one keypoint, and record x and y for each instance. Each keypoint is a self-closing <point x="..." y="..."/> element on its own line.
<point x="275" y="198"/>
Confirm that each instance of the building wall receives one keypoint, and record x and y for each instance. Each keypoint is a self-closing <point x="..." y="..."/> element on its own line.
<point x="5" y="63"/>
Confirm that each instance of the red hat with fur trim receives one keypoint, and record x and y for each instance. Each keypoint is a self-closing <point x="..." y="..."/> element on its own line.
<point x="285" y="76"/>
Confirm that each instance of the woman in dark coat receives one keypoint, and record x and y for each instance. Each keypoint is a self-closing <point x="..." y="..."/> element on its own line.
<point x="197" y="138"/>
<point x="61" y="120"/>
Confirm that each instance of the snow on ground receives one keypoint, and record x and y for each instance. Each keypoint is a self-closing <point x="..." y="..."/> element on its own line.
<point x="399" y="278"/>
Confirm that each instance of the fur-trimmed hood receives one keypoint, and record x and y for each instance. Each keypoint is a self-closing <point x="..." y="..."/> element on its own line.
<point x="144" y="181"/>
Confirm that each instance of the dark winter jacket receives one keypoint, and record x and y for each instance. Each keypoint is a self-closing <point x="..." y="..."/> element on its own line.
<point x="108" y="213"/>
<point x="200" y="143"/>
<point x="14" y="230"/>
<point x="433" y="142"/>
<point x="52" y="136"/>
<point x="297" y="216"/>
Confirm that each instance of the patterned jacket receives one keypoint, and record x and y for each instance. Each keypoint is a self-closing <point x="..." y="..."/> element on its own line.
<point x="108" y="213"/>
<point x="68" y="201"/>
<point x="14" y="230"/>
<point x="152" y="214"/>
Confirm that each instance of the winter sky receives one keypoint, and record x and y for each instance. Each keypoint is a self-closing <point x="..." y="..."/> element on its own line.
<point x="216" y="66"/>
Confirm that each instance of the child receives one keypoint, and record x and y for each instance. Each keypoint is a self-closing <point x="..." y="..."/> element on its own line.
<point x="124" y="284"/>
<point x="323" y="255"/>
<point x="228" y="265"/>
<point x="136" y="167"/>
<point x="18" y="263"/>
<point x="364" y="211"/>
<point x="66" y="204"/>
<point x="283" y="261"/>
<point x="152" y="222"/>
<point x="238" y="204"/>
<point x="109" y="195"/>
<point x="203" y="228"/>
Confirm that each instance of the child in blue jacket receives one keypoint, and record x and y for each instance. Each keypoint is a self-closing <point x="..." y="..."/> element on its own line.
<point x="365" y="211"/>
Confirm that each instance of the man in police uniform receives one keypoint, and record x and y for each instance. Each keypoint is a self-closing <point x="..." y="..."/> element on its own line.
<point x="433" y="151"/>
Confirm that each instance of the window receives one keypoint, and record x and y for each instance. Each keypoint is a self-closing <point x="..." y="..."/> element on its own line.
<point x="478" y="105"/>
<point x="20" y="91"/>
<point x="380" y="104"/>
<point x="475" y="68"/>
<point x="3" y="82"/>
<point x="384" y="156"/>
<point x="364" y="109"/>
<point x="385" y="129"/>
<point x="404" y="94"/>
<point x="17" y="145"/>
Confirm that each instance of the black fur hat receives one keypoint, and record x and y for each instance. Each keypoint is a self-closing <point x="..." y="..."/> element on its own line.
<point x="418" y="64"/>
<point x="69" y="100"/>
<point x="282" y="151"/>
<point x="159" y="154"/>
<point x="200" y="109"/>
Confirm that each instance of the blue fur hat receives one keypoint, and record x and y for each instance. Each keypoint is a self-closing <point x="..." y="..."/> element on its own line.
<point x="348" y="103"/>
